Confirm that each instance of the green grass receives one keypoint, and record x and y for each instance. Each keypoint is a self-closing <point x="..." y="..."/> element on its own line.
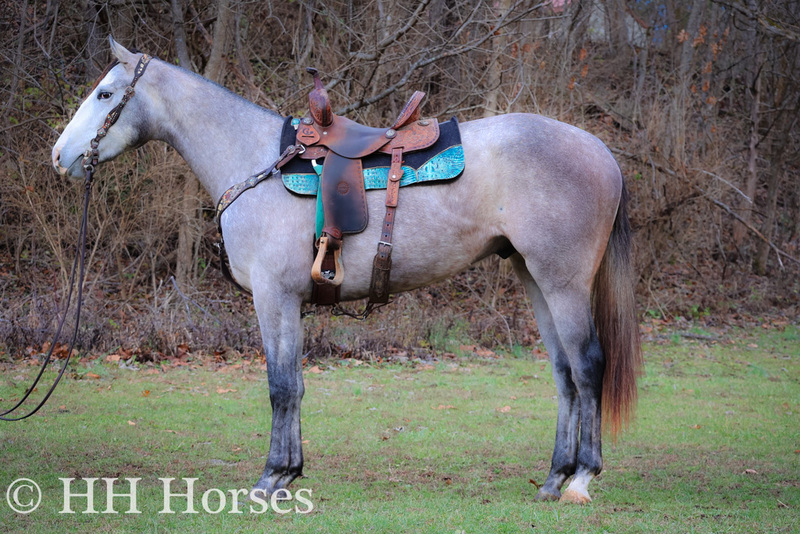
<point x="449" y="447"/>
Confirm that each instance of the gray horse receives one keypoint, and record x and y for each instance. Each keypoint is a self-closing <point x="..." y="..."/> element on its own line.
<point x="548" y="192"/>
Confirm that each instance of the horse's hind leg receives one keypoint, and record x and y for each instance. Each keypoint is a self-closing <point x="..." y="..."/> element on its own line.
<point x="566" y="447"/>
<point x="565" y="323"/>
<point x="282" y="331"/>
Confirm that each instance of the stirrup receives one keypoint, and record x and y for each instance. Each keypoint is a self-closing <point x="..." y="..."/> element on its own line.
<point x="327" y="277"/>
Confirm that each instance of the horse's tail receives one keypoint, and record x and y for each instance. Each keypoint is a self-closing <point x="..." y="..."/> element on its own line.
<point x="614" y="307"/>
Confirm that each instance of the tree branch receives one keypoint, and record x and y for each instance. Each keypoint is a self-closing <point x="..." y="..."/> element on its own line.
<point x="388" y="41"/>
<point x="770" y="25"/>
<point x="442" y="52"/>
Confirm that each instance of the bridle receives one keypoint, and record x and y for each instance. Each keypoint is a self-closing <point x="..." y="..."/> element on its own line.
<point x="90" y="160"/>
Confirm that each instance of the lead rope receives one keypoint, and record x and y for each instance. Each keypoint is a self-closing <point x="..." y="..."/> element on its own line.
<point x="80" y="255"/>
<point x="90" y="161"/>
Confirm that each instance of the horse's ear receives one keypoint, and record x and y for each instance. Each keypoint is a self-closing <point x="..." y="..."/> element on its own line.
<point x="125" y="56"/>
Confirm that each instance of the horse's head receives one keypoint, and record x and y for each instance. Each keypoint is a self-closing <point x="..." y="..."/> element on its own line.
<point x="69" y="150"/>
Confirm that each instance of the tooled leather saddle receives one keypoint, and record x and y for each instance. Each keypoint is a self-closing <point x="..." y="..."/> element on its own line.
<point x="355" y="158"/>
<point x="343" y="143"/>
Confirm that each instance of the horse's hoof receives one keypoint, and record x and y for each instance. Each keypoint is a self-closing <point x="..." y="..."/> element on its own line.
<point x="574" y="497"/>
<point x="544" y="496"/>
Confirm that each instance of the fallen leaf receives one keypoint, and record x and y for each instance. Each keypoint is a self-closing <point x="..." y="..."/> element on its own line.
<point x="131" y="423"/>
<point x="146" y="393"/>
<point x="171" y="431"/>
<point x="113" y="358"/>
<point x="443" y="407"/>
<point x="750" y="472"/>
<point x="92" y="376"/>
<point x="485" y="353"/>
<point x="504" y="409"/>
<point x="315" y="369"/>
<point x="305" y="441"/>
<point x="62" y="407"/>
<point x="696" y="427"/>
<point x="222" y="391"/>
<point x="533" y="482"/>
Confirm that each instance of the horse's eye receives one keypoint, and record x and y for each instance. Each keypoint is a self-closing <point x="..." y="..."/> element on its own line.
<point x="103" y="95"/>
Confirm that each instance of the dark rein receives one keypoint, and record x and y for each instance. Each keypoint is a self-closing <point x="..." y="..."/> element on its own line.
<point x="90" y="161"/>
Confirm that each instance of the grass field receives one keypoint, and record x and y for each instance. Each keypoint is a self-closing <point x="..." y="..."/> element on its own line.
<point x="448" y="446"/>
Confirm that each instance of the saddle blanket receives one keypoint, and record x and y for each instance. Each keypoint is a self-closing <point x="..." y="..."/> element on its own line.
<point x="444" y="160"/>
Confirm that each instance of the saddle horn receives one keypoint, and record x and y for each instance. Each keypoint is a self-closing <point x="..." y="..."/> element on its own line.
<point x="319" y="104"/>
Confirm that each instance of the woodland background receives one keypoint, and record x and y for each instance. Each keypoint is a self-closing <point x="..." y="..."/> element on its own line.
<point x="698" y="100"/>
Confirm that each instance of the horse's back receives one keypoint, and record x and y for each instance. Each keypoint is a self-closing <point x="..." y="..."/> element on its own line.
<point x="522" y="147"/>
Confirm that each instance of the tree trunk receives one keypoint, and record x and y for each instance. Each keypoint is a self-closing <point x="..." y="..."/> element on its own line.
<point x="692" y="29"/>
<point x="223" y="29"/>
<point x="122" y="22"/>
<point x="617" y="29"/>
<point x="92" y="49"/>
<point x="740" y="230"/>
<point x="495" y="78"/>
<point x="184" y="264"/>
<point x="12" y="90"/>
<point x="179" y="35"/>
<point x="779" y="156"/>
<point x="768" y="226"/>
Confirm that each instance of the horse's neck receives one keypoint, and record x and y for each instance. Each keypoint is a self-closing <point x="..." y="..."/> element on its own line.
<point x="224" y="138"/>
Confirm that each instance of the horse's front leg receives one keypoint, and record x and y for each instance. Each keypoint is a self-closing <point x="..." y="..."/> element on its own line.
<point x="282" y="333"/>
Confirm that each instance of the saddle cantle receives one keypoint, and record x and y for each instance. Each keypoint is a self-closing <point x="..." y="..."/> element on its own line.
<point x="344" y="144"/>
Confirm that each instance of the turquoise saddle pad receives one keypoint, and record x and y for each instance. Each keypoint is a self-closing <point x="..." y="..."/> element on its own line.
<point x="444" y="160"/>
<point x="445" y="166"/>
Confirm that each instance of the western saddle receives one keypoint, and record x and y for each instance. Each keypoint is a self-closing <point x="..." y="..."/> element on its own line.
<point x="343" y="143"/>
